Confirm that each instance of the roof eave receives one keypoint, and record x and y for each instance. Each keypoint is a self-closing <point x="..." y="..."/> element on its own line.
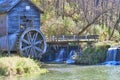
<point x="41" y="11"/>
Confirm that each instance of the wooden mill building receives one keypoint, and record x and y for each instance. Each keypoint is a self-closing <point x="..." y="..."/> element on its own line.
<point x="15" y="17"/>
<point x="13" y="12"/>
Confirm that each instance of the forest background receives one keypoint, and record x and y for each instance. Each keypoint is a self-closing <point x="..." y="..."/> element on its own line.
<point x="81" y="17"/>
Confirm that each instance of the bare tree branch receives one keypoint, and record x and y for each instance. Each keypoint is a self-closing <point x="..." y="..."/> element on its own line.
<point x="95" y="19"/>
<point x="115" y="26"/>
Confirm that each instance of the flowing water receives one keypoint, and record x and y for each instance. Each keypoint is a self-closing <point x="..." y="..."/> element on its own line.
<point x="76" y="72"/>
<point x="73" y="72"/>
<point x="70" y="57"/>
<point x="60" y="56"/>
<point x="113" y="56"/>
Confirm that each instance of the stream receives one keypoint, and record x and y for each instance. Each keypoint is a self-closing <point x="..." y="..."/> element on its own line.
<point x="73" y="72"/>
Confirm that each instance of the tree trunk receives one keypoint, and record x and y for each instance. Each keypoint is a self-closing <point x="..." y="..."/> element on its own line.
<point x="89" y="24"/>
<point x="116" y="24"/>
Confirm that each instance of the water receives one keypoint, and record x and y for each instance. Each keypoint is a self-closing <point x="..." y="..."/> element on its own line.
<point x="50" y="57"/>
<point x="112" y="55"/>
<point x="70" y="57"/>
<point x="73" y="72"/>
<point x="60" y="56"/>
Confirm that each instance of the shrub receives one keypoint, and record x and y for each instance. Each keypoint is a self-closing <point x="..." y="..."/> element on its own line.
<point x="18" y="65"/>
<point x="94" y="55"/>
<point x="2" y="54"/>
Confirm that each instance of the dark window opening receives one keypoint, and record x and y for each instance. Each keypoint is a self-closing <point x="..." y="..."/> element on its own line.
<point x="26" y="21"/>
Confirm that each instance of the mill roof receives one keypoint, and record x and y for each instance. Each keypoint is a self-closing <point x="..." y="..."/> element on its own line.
<point x="7" y="5"/>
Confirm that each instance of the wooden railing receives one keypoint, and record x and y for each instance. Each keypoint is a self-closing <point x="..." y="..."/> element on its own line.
<point x="73" y="38"/>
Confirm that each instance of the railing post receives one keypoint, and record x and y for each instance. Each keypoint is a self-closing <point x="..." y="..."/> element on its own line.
<point x="63" y="37"/>
<point x="86" y="37"/>
<point x="53" y="38"/>
<point x="74" y="37"/>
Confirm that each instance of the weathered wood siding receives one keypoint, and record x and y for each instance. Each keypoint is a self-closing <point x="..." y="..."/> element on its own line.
<point x="3" y="25"/>
<point x="4" y="43"/>
<point x="19" y="10"/>
<point x="3" y="32"/>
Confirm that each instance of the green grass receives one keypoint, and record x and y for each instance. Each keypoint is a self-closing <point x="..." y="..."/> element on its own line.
<point x="19" y="66"/>
<point x="94" y="55"/>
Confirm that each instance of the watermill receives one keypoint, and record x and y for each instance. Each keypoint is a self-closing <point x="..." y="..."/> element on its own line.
<point x="20" y="28"/>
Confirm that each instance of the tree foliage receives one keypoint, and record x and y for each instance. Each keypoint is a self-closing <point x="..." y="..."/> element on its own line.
<point x="79" y="16"/>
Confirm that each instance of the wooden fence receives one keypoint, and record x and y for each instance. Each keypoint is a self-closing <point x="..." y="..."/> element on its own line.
<point x="72" y="38"/>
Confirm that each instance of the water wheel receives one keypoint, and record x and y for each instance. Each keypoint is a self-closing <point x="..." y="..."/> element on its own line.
<point x="32" y="43"/>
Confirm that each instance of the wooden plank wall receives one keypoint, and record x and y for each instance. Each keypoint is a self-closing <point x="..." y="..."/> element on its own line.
<point x="3" y="26"/>
<point x="19" y="10"/>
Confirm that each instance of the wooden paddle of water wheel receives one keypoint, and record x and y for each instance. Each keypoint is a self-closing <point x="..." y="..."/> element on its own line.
<point x="32" y="43"/>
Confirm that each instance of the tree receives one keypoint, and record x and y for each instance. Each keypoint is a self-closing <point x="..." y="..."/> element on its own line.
<point x="83" y="14"/>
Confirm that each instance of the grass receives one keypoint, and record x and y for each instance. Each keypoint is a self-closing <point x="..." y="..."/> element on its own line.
<point x="94" y="55"/>
<point x="19" y="66"/>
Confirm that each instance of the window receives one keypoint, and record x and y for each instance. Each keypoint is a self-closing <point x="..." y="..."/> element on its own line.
<point x="26" y="21"/>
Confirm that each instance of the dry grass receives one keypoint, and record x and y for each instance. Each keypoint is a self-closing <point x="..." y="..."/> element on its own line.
<point x="18" y="65"/>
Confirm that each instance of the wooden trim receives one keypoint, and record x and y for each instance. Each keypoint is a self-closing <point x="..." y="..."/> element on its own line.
<point x="7" y="34"/>
<point x="26" y="1"/>
<point x="7" y="11"/>
<point x="72" y="38"/>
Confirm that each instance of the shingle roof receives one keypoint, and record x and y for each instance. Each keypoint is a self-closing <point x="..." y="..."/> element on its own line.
<point x="7" y="5"/>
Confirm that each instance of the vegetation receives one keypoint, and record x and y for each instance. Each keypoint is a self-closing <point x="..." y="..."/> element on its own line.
<point x="81" y="17"/>
<point x="18" y="65"/>
<point x="74" y="17"/>
<point x="2" y="54"/>
<point x="73" y="72"/>
<point x="94" y="54"/>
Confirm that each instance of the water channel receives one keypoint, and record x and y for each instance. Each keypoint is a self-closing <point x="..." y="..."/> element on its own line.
<point x="73" y="72"/>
